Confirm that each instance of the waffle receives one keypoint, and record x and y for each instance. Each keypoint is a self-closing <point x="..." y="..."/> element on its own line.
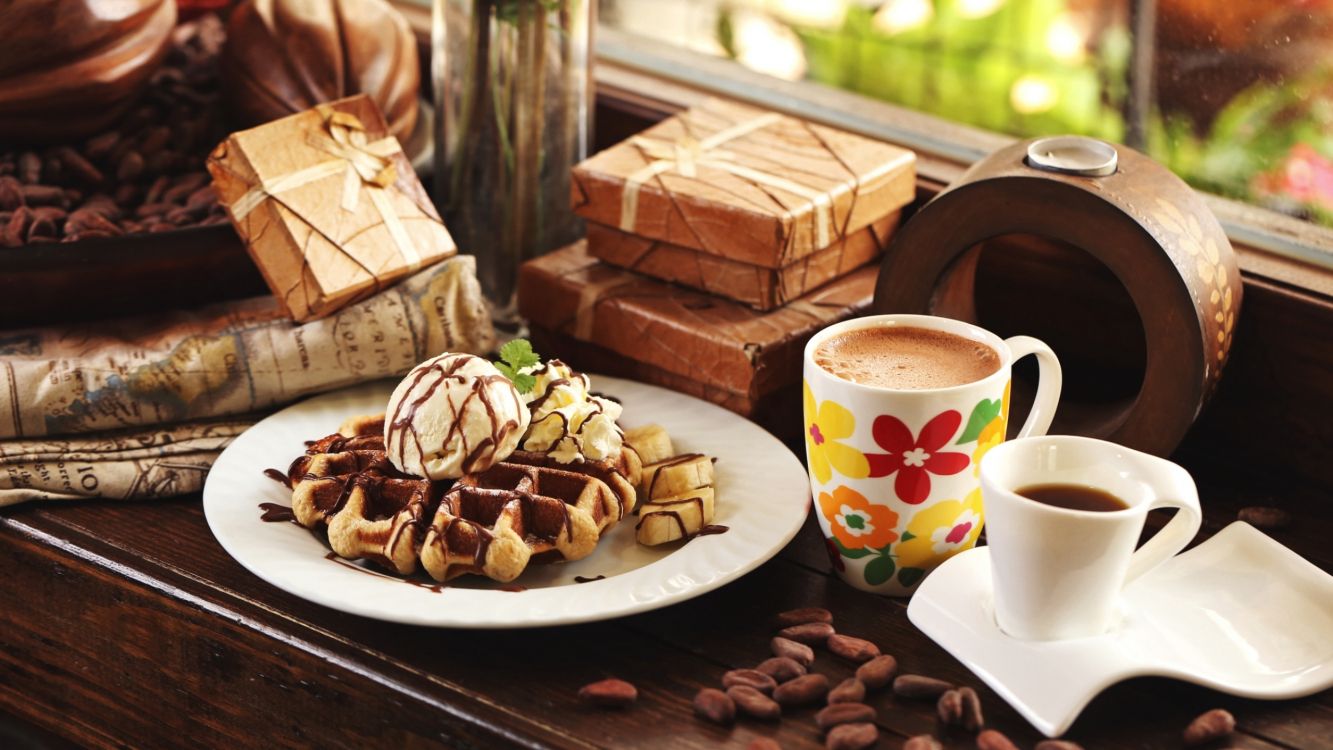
<point x="372" y="510"/>
<point x="527" y="509"/>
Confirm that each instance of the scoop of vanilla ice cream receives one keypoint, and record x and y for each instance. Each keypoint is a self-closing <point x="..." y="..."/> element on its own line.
<point x="569" y="423"/>
<point x="453" y="415"/>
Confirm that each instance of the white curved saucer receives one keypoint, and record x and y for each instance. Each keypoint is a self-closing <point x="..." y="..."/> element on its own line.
<point x="1239" y="613"/>
<point x="763" y="496"/>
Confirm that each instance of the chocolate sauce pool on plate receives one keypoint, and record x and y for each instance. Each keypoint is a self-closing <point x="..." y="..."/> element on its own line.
<point x="276" y="513"/>
<point x="581" y="579"/>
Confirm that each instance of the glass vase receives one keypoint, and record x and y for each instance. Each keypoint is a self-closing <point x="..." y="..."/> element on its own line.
<point x="513" y="96"/>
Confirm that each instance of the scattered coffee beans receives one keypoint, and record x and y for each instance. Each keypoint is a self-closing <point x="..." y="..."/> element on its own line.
<point x="949" y="708"/>
<point x="802" y="690"/>
<point x="852" y="649"/>
<point x="878" y="672"/>
<point x="751" y="678"/>
<point x="919" y="686"/>
<point x="751" y="702"/>
<point x="993" y="740"/>
<point x="781" y="668"/>
<point x="850" y="690"/>
<point x="1265" y="517"/>
<point x="715" y="706"/>
<point x="802" y="616"/>
<point x="811" y="633"/>
<point x="843" y="713"/>
<point x="922" y="742"/>
<point x="1209" y="726"/>
<point x="123" y="173"/>
<point x="609" y="693"/>
<point x="797" y="652"/>
<point x="852" y="737"/>
<point x="763" y="743"/>
<point x="972" y="716"/>
<point x="1057" y="745"/>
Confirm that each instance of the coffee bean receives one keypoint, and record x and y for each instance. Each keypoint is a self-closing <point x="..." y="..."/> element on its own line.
<point x="801" y="690"/>
<point x="763" y="743"/>
<point x="798" y="652"/>
<point x="972" y="717"/>
<point x="922" y="742"/>
<point x="949" y="708"/>
<point x="125" y="194"/>
<point x="751" y="702"/>
<point x="751" y="678"/>
<point x="850" y="690"/>
<point x="1265" y="517"/>
<point x="608" y="693"/>
<point x="157" y="227"/>
<point x="184" y="186"/>
<point x="43" y="195"/>
<point x="129" y="168"/>
<point x="154" y="139"/>
<point x="993" y="740"/>
<point x="155" y="191"/>
<point x="29" y="168"/>
<point x="919" y="686"/>
<point x="843" y="713"/>
<point x="75" y="166"/>
<point x="11" y="193"/>
<point x="781" y="668"/>
<point x="803" y="616"/>
<point x="149" y="210"/>
<point x="88" y="219"/>
<point x="852" y="737"/>
<point x="877" y="672"/>
<point x="1057" y="745"/>
<point x="852" y="649"/>
<point x="204" y="196"/>
<point x="99" y="146"/>
<point x="42" y="228"/>
<point x="1209" y="726"/>
<point x="811" y="633"/>
<point x="52" y="169"/>
<point x="19" y="221"/>
<point x="714" y="705"/>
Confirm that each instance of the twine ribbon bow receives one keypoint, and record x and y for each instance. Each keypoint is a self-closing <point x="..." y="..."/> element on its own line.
<point x="687" y="154"/>
<point x="367" y="167"/>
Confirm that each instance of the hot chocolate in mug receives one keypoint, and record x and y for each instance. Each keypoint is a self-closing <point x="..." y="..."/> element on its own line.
<point x="893" y="459"/>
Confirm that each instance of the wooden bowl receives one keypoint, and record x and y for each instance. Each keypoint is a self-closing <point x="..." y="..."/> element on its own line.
<point x="1142" y="222"/>
<point x="79" y="69"/>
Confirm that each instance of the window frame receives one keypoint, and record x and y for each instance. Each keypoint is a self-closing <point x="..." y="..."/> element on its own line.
<point x="655" y="78"/>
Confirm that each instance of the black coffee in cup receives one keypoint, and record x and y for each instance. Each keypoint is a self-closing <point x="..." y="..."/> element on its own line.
<point x="1073" y="497"/>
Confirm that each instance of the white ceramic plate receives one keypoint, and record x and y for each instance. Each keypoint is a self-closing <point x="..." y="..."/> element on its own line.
<point x="1238" y="613"/>
<point x="763" y="496"/>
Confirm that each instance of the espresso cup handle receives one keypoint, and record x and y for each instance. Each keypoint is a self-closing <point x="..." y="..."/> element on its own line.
<point x="1048" y="383"/>
<point x="1177" y="490"/>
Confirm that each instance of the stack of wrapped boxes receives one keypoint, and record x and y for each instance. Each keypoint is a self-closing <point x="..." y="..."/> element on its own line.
<point x="718" y="242"/>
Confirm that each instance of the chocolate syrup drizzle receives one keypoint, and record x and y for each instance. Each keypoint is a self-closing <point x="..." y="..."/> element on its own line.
<point x="276" y="513"/>
<point x="278" y="476"/>
<point x="581" y="579"/>
<point x="436" y="588"/>
<point x="551" y="386"/>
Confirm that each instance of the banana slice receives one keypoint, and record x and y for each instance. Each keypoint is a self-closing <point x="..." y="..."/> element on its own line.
<point x="651" y="442"/>
<point x="677" y="475"/>
<point x="676" y="517"/>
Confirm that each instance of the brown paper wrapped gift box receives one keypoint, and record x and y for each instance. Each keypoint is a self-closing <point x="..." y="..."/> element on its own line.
<point x="734" y="356"/>
<point x="328" y="206"/>
<point x="741" y="183"/>
<point x="757" y="286"/>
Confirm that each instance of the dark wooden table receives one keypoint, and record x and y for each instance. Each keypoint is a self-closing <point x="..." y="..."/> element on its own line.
<point x="125" y="624"/>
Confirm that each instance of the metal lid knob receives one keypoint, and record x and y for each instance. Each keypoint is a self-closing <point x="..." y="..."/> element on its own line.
<point x="1073" y="154"/>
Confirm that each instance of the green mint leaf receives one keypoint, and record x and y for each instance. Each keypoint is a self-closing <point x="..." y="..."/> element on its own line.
<point x="524" y="382"/>
<point x="518" y="354"/>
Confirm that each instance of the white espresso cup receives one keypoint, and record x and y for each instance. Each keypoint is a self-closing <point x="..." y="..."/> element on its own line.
<point x="1058" y="572"/>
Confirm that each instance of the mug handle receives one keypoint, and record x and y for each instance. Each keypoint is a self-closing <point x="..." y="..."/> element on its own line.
<point x="1049" y="380"/>
<point x="1180" y="494"/>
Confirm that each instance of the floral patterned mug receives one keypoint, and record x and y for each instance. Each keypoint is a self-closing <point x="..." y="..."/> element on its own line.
<point x="894" y="473"/>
